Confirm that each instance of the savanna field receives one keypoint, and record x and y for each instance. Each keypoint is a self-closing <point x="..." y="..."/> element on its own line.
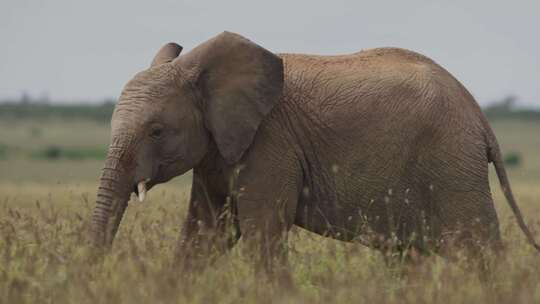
<point x="49" y="170"/>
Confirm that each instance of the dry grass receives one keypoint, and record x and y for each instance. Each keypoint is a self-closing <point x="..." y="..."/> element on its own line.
<point x="44" y="260"/>
<point x="44" y="257"/>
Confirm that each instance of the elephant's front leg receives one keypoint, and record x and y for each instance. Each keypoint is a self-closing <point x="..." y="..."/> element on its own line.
<point x="210" y="228"/>
<point x="266" y="206"/>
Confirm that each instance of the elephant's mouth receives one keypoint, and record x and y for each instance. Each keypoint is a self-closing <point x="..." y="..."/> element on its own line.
<point x="159" y="176"/>
<point x="141" y="188"/>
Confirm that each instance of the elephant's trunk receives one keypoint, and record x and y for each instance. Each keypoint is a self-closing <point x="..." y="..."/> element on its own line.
<point x="112" y="198"/>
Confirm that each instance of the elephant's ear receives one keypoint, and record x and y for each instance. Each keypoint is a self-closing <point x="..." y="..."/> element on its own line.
<point x="167" y="53"/>
<point x="240" y="83"/>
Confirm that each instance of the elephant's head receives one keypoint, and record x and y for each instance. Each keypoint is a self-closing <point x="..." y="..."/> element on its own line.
<point x="169" y="115"/>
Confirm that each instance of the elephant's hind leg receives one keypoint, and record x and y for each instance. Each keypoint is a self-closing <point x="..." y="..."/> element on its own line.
<point x="457" y="190"/>
<point x="466" y="213"/>
<point x="470" y="231"/>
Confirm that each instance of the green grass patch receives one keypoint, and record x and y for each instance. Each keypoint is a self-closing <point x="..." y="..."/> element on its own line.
<point x="513" y="159"/>
<point x="3" y="151"/>
<point x="56" y="152"/>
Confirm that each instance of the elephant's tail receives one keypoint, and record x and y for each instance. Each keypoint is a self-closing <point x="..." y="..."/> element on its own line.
<point x="494" y="155"/>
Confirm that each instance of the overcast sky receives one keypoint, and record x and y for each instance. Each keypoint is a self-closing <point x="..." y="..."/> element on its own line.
<point x="87" y="50"/>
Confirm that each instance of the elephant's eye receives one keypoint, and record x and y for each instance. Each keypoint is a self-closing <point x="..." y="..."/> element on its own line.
<point x="156" y="131"/>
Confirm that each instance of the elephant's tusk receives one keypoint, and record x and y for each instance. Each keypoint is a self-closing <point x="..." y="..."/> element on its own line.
<point x="141" y="188"/>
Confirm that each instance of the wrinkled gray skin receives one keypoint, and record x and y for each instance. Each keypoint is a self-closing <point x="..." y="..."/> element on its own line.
<point x="383" y="147"/>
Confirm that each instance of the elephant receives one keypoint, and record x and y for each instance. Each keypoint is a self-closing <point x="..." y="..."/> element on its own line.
<point x="383" y="147"/>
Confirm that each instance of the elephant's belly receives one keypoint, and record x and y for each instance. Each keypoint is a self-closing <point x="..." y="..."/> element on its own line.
<point x="369" y="221"/>
<point x="331" y="220"/>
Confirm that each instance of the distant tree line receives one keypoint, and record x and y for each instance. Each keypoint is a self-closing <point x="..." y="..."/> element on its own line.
<point x="507" y="108"/>
<point x="28" y="110"/>
<point x="25" y="109"/>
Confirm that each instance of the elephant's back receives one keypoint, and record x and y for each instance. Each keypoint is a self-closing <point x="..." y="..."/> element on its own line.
<point x="374" y="72"/>
<point x="383" y="55"/>
<point x="379" y="82"/>
<point x="368" y="69"/>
